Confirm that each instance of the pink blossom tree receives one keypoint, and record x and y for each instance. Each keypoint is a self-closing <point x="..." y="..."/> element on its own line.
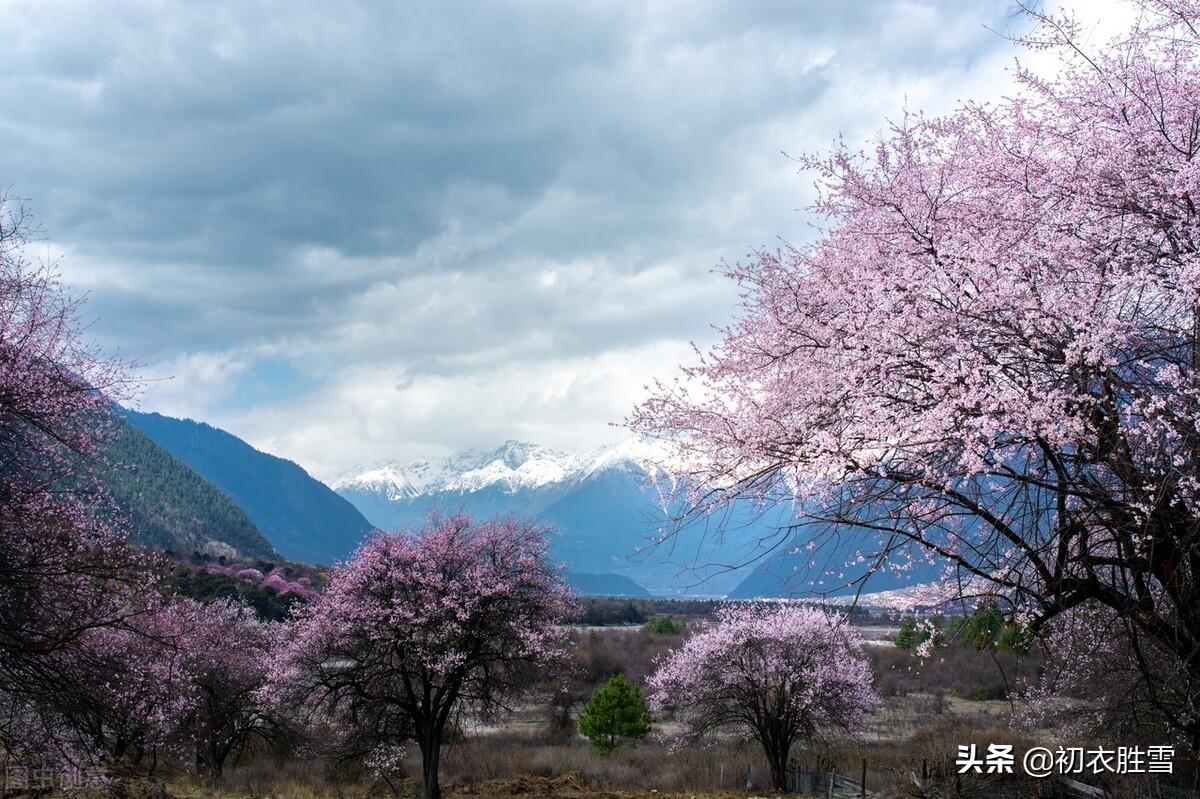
<point x="181" y="677"/>
<point x="1121" y="685"/>
<point x="778" y="674"/>
<point x="126" y="688"/>
<point x="64" y="568"/>
<point x="225" y="652"/>
<point x="991" y="351"/>
<point x="420" y="629"/>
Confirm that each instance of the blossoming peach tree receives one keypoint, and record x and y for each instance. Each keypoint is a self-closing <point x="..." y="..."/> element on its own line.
<point x="421" y="630"/>
<point x="97" y="661"/>
<point x="991" y="351"/>
<point x="65" y="571"/>
<point x="781" y="675"/>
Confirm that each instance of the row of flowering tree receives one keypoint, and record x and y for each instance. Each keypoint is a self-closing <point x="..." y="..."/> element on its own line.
<point x="991" y="352"/>
<point x="98" y="662"/>
<point x="65" y="572"/>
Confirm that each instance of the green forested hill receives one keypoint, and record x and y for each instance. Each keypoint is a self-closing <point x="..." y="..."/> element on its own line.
<point x="170" y="506"/>
<point x="301" y="516"/>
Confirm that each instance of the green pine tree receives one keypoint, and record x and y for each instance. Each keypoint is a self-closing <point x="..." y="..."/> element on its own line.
<point x="615" y="711"/>
<point x="907" y="637"/>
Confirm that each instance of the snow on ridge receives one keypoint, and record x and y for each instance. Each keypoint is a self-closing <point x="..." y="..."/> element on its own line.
<point x="389" y="479"/>
<point x="512" y="467"/>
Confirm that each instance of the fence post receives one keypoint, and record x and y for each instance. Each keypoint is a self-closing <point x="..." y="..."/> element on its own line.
<point x="862" y="785"/>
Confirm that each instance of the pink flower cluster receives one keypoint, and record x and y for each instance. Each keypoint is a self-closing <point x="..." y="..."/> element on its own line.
<point x="181" y="675"/>
<point x="420" y="628"/>
<point x="991" y="352"/>
<point x="276" y="579"/>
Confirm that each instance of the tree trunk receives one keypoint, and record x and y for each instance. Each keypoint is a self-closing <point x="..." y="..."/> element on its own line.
<point x="211" y="756"/>
<point x="216" y="765"/>
<point x="431" y="753"/>
<point x="777" y="756"/>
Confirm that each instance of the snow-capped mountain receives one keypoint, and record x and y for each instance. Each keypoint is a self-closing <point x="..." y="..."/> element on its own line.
<point x="515" y="466"/>
<point x="615" y="510"/>
<point x="608" y="505"/>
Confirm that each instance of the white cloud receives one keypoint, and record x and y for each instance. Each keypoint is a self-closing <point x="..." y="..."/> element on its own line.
<point x="189" y="382"/>
<point x="367" y="414"/>
<point x="400" y="230"/>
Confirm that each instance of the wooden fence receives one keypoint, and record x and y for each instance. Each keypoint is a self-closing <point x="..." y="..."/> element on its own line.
<point x="826" y="783"/>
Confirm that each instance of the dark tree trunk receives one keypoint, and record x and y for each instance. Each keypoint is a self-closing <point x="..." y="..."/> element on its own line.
<point x="213" y="757"/>
<point x="777" y="757"/>
<point x="216" y="765"/>
<point x="779" y="775"/>
<point x="431" y="754"/>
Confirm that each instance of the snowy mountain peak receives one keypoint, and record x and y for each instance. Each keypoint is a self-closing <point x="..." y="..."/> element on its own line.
<point x="512" y="467"/>
<point x="515" y="453"/>
<point x="389" y="479"/>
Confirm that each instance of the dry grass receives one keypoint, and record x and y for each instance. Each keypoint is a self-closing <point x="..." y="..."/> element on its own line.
<point x="524" y="758"/>
<point x="930" y="708"/>
<point x="721" y="767"/>
<point x="508" y="765"/>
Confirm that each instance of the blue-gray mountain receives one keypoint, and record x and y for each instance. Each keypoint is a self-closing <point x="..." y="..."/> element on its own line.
<point x="298" y="514"/>
<point x="613" y="511"/>
<point x="796" y="571"/>
<point x="608" y="506"/>
<point x="605" y="585"/>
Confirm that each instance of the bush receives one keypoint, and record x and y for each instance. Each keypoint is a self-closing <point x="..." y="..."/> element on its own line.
<point x="910" y="636"/>
<point x="664" y="625"/>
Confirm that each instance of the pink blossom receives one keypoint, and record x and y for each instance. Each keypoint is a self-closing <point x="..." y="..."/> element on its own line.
<point x="781" y="674"/>
<point x="990" y="354"/>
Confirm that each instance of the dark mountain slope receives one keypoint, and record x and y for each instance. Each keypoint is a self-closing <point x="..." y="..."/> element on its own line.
<point x="604" y="585"/>
<point x="301" y="516"/>
<point x="169" y="506"/>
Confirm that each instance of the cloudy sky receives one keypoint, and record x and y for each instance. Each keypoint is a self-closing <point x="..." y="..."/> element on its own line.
<point x="350" y="231"/>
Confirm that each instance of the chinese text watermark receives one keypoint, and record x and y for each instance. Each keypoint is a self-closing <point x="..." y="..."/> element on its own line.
<point x="1041" y="761"/>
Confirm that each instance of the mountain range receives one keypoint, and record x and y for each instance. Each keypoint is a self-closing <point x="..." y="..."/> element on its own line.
<point x="170" y="506"/>
<point x="615" y="510"/>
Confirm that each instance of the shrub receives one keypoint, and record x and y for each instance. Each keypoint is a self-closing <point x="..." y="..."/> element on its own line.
<point x="664" y="625"/>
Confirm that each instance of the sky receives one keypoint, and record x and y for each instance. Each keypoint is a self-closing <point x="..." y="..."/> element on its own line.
<point x="355" y="231"/>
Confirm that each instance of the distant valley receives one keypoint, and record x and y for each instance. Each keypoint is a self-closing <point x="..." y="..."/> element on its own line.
<point x="189" y="487"/>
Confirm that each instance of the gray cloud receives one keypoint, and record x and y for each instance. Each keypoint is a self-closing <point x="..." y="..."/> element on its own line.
<point x="437" y="192"/>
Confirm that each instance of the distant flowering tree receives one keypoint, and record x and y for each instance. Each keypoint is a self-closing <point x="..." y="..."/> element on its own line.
<point x="779" y="674"/>
<point x="992" y="351"/>
<point x="421" y="628"/>
<point x="180" y="677"/>
<point x="123" y="689"/>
